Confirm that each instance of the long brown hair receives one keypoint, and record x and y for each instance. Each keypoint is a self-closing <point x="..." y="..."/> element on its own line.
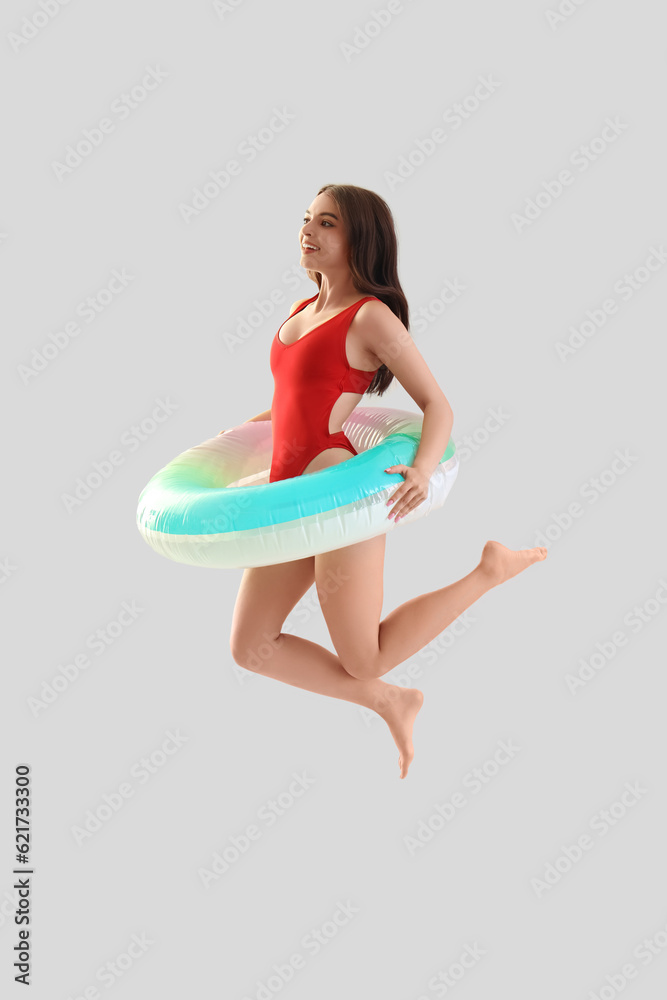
<point x="373" y="256"/>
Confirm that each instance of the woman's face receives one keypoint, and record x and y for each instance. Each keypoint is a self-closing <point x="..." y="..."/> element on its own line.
<point x="323" y="228"/>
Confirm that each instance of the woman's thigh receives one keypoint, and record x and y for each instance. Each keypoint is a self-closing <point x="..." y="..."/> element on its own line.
<point x="330" y="456"/>
<point x="266" y="596"/>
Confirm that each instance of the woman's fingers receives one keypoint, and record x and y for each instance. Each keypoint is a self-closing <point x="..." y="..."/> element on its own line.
<point x="412" y="492"/>
<point x="398" y="494"/>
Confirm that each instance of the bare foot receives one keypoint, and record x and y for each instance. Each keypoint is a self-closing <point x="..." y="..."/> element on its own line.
<point x="399" y="711"/>
<point x="500" y="563"/>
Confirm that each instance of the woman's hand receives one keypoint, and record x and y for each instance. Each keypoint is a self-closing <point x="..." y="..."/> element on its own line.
<point x="412" y="491"/>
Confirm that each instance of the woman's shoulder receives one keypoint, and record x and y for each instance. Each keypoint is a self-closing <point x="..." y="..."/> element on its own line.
<point x="300" y="302"/>
<point x="375" y="307"/>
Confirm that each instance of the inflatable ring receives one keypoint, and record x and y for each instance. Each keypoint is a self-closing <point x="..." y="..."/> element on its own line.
<point x="213" y="505"/>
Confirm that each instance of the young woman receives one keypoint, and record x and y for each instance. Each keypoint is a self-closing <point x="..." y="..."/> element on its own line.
<point x="348" y="339"/>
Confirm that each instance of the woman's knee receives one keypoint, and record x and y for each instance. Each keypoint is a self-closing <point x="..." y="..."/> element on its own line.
<point x="252" y="650"/>
<point x="363" y="670"/>
<point x="266" y="596"/>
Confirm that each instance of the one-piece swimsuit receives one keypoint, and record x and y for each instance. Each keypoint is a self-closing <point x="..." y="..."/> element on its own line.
<point x="309" y="376"/>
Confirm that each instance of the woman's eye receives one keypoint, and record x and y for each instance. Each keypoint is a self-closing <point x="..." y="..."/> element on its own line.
<point x="323" y="221"/>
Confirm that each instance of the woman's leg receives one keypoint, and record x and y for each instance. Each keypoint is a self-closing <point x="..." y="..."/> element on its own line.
<point x="266" y="596"/>
<point x="368" y="647"/>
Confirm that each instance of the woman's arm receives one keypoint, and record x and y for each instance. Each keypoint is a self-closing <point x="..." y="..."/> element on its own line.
<point x="265" y="415"/>
<point x="436" y="428"/>
<point x="385" y="335"/>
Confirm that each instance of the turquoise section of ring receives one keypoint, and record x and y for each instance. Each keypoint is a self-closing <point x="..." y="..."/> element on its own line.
<point x="179" y="501"/>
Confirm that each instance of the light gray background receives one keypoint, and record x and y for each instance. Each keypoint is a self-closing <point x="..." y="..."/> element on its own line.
<point x="500" y="678"/>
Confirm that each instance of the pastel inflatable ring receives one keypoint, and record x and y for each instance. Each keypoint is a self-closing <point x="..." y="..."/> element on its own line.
<point x="213" y="505"/>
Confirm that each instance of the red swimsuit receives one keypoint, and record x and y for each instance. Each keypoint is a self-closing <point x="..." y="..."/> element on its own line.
<point x="309" y="376"/>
